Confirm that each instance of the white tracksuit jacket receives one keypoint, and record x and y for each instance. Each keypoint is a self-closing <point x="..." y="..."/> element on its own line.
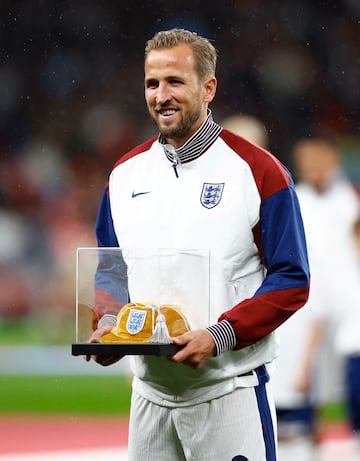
<point x="236" y="202"/>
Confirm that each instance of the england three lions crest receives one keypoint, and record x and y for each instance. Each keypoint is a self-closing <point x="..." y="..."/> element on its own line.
<point x="211" y="194"/>
<point x="136" y="321"/>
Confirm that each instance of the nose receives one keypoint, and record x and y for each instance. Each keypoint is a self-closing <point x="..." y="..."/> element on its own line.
<point x="162" y="93"/>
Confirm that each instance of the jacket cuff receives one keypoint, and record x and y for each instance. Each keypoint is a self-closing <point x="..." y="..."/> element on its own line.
<point x="224" y="336"/>
<point x="107" y="319"/>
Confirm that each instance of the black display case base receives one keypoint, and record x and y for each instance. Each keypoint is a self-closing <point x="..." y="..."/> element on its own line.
<point x="124" y="349"/>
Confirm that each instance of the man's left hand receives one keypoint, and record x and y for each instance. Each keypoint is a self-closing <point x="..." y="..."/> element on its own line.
<point x="199" y="346"/>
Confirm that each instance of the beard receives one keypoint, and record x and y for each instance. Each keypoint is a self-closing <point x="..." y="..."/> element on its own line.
<point x="183" y="128"/>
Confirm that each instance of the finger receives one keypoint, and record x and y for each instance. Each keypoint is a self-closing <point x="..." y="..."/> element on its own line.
<point x="99" y="333"/>
<point x="94" y="339"/>
<point x="182" y="339"/>
<point x="106" y="360"/>
<point x="182" y="355"/>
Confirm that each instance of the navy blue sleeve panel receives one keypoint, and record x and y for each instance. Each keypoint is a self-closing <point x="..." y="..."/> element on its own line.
<point x="105" y="232"/>
<point x="111" y="287"/>
<point x="281" y="240"/>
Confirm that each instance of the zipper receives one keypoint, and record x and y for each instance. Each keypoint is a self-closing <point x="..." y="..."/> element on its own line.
<point x="175" y="158"/>
<point x="174" y="165"/>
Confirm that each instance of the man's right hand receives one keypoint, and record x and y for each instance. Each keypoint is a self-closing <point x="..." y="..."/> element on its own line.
<point x="103" y="360"/>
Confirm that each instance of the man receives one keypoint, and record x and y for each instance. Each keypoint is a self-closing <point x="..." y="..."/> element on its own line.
<point x="199" y="186"/>
<point x="249" y="127"/>
<point x="309" y="366"/>
<point x="347" y="339"/>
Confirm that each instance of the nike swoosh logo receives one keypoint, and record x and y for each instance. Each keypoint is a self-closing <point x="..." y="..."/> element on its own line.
<point x="135" y="194"/>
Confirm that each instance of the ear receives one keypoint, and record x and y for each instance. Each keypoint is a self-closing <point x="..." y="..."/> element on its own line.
<point x="209" y="87"/>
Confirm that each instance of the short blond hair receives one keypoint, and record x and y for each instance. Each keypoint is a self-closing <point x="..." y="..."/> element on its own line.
<point x="204" y="52"/>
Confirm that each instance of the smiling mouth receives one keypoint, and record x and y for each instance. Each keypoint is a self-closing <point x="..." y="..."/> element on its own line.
<point x="167" y="112"/>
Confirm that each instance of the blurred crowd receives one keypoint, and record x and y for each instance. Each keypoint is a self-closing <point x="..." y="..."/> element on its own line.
<point x="71" y="103"/>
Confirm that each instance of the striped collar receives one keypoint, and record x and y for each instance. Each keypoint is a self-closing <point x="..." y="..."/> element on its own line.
<point x="199" y="142"/>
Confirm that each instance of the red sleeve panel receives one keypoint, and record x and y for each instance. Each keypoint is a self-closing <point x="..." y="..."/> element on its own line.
<point x="279" y="236"/>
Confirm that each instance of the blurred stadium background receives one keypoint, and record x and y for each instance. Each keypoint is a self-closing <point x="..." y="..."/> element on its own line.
<point x="71" y="102"/>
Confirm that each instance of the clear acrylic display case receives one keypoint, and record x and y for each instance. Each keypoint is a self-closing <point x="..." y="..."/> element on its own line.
<point x="108" y="278"/>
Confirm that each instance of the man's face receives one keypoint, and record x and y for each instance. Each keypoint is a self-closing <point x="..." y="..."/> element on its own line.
<point x="316" y="164"/>
<point x="176" y="99"/>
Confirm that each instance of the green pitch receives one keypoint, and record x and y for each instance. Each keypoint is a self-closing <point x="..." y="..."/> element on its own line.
<point x="65" y="394"/>
<point x="87" y="395"/>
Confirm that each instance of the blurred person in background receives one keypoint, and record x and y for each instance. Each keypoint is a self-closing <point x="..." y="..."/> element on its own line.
<point x="348" y="339"/>
<point x="249" y="127"/>
<point x="299" y="345"/>
<point x="309" y="367"/>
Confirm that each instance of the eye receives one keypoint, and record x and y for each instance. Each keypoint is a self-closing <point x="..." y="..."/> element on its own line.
<point x="175" y="82"/>
<point x="151" y="84"/>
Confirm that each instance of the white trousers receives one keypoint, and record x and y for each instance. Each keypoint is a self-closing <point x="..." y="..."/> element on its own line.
<point x="239" y="426"/>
